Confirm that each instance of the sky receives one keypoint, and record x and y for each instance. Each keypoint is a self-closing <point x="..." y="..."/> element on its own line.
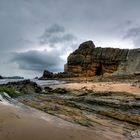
<point x="39" y="34"/>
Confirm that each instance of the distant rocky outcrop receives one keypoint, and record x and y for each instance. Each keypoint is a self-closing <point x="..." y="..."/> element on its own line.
<point x="1" y="77"/>
<point x="14" y="77"/>
<point x="88" y="60"/>
<point x="50" y="75"/>
<point x="47" y="74"/>
<point x="11" y="77"/>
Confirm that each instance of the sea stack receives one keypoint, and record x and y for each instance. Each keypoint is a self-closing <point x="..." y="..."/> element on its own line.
<point x="89" y="60"/>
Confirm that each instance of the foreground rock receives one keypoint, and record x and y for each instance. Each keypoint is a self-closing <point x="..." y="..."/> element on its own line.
<point x="59" y="101"/>
<point x="75" y="105"/>
<point x="19" y="88"/>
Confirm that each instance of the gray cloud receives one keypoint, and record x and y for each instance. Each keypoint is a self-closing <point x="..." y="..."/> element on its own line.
<point x="133" y="34"/>
<point x="38" y="60"/>
<point x="22" y="22"/>
<point x="55" y="28"/>
<point x="56" y="34"/>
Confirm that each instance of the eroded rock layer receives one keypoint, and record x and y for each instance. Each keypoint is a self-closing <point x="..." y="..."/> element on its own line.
<point x="88" y="60"/>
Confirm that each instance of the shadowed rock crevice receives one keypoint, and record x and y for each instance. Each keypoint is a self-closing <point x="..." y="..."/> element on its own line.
<point x="99" y="70"/>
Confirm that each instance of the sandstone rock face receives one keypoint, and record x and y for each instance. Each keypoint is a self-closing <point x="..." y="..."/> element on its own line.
<point x="133" y="62"/>
<point x="88" y="60"/>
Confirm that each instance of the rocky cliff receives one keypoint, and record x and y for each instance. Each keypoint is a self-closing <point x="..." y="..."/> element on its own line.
<point x="89" y="60"/>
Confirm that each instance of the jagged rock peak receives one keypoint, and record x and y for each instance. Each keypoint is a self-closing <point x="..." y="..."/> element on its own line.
<point x="87" y="45"/>
<point x="85" y="48"/>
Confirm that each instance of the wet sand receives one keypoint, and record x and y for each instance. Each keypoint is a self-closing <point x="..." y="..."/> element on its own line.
<point x="102" y="86"/>
<point x="18" y="123"/>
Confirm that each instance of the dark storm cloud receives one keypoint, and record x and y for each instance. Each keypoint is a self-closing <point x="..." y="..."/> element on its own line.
<point x="60" y="24"/>
<point x="90" y="19"/>
<point x="38" y="60"/>
<point x="56" y="34"/>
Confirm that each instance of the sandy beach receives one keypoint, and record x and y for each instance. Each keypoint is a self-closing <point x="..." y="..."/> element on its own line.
<point x="102" y="86"/>
<point x="28" y="124"/>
